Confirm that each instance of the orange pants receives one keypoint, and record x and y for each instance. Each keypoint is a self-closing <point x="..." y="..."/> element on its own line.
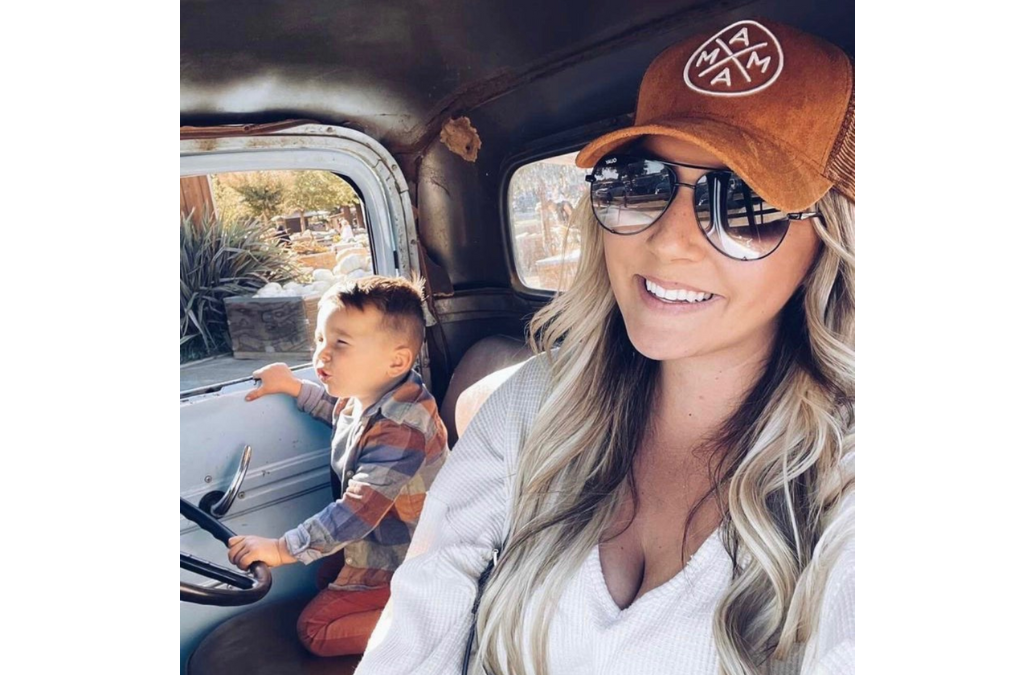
<point x="335" y="623"/>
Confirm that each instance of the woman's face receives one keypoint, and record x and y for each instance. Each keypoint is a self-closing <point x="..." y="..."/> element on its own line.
<point x="741" y="316"/>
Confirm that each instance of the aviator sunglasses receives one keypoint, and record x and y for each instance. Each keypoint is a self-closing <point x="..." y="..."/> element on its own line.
<point x="630" y="193"/>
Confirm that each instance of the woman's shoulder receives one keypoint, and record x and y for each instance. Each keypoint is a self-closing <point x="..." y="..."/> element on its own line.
<point x="532" y="376"/>
<point x="519" y="389"/>
<point x="510" y="400"/>
<point x="831" y="648"/>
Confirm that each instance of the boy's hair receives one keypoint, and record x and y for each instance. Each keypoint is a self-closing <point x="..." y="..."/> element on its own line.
<point x="400" y="302"/>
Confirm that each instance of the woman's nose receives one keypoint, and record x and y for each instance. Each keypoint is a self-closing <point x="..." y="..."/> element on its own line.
<point x="677" y="234"/>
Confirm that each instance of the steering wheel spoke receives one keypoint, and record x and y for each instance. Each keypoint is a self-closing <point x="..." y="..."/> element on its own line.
<point x="247" y="588"/>
<point x="215" y="572"/>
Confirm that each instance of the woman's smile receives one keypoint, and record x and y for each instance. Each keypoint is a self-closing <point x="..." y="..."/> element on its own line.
<point x="670" y="297"/>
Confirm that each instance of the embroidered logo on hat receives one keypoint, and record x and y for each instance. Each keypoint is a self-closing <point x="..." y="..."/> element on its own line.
<point x="741" y="59"/>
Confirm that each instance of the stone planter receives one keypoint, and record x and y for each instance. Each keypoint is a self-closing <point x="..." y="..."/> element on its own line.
<point x="272" y="328"/>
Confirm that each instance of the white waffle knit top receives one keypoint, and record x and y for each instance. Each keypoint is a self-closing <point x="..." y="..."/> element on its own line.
<point x="424" y="629"/>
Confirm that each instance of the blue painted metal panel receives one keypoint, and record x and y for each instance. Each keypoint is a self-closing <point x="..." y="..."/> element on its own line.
<point x="287" y="481"/>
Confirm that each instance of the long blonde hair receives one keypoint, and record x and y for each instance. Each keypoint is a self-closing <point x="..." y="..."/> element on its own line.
<point x="781" y="479"/>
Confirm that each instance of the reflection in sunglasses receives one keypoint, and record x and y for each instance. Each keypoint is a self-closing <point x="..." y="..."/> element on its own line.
<point x="629" y="194"/>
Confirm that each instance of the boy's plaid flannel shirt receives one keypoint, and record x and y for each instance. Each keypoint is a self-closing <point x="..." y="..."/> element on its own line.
<point x="386" y="459"/>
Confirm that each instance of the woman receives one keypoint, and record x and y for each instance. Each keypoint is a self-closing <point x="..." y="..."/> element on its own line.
<point x="668" y="486"/>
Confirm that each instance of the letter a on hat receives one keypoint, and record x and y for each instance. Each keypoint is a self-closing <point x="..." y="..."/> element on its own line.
<point x="741" y="36"/>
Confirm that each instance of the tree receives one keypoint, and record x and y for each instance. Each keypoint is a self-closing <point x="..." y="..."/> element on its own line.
<point x="319" y="191"/>
<point x="262" y="193"/>
<point x="229" y="205"/>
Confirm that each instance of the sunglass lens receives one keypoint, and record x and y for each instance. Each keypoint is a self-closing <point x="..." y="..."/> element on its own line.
<point x="747" y="227"/>
<point x="629" y="193"/>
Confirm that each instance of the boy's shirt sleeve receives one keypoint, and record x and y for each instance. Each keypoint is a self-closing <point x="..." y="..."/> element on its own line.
<point x="313" y="399"/>
<point x="391" y="455"/>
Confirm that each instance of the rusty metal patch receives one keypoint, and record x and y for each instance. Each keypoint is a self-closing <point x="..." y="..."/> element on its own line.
<point x="461" y="138"/>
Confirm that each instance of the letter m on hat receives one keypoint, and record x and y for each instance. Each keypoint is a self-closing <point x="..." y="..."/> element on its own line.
<point x="707" y="57"/>
<point x="754" y="60"/>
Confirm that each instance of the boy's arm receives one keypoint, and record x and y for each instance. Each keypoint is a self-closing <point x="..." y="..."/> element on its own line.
<point x="311" y="398"/>
<point x="314" y="400"/>
<point x="391" y="455"/>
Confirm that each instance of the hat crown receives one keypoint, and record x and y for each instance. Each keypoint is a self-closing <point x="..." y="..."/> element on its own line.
<point x="775" y="104"/>
<point x="771" y="80"/>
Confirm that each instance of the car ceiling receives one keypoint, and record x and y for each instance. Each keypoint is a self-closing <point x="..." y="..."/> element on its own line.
<point x="397" y="70"/>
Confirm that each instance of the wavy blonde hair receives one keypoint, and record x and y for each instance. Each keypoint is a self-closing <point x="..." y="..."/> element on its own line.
<point x="781" y="477"/>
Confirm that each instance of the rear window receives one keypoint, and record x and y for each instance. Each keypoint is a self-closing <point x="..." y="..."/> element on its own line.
<point x="541" y="198"/>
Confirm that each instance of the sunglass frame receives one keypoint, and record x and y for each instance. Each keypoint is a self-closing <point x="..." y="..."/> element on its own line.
<point x="674" y="177"/>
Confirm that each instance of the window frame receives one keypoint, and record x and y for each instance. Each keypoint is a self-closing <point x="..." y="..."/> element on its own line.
<point x="354" y="157"/>
<point x="324" y="148"/>
<point x="511" y="167"/>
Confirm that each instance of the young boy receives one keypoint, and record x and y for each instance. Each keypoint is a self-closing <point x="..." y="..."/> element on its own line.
<point x="388" y="444"/>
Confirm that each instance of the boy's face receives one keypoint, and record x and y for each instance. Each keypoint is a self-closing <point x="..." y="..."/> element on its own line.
<point x="355" y="355"/>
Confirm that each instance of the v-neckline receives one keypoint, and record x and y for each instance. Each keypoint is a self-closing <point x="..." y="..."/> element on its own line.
<point x="702" y="558"/>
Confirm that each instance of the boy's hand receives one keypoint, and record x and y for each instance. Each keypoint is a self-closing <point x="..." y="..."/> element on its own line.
<point x="245" y="550"/>
<point x="275" y="378"/>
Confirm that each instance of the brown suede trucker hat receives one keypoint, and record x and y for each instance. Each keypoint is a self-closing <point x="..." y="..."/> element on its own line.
<point x="775" y="104"/>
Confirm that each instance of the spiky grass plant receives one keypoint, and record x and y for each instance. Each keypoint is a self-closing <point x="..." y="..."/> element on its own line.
<point x="220" y="259"/>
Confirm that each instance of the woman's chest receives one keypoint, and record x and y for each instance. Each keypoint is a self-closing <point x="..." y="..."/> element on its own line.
<point x="643" y="555"/>
<point x="653" y="535"/>
<point x="666" y="630"/>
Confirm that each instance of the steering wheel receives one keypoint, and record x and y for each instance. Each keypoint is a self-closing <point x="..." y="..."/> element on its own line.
<point x="247" y="588"/>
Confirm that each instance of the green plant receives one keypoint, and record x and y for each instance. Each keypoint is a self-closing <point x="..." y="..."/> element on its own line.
<point x="220" y="259"/>
<point x="262" y="193"/>
<point x="229" y="204"/>
<point x="319" y="190"/>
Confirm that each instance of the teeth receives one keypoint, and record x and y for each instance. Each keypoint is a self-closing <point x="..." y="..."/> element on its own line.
<point x="680" y="295"/>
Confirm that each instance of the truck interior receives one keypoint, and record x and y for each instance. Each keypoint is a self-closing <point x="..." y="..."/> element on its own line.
<point x="453" y="123"/>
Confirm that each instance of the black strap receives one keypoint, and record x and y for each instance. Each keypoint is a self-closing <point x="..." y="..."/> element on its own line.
<point x="474" y="610"/>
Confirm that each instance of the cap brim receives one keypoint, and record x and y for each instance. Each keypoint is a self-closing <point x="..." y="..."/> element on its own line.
<point x="778" y="176"/>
